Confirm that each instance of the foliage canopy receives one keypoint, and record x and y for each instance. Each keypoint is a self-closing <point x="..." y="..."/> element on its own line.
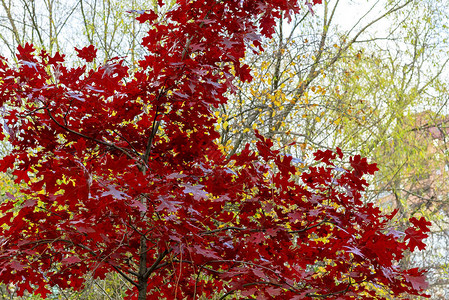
<point x="124" y="173"/>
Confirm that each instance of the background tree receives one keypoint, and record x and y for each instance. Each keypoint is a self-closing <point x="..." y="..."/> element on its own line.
<point x="292" y="83"/>
<point x="56" y="25"/>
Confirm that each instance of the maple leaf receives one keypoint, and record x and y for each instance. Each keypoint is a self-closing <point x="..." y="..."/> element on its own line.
<point x="57" y="58"/>
<point x="112" y="191"/>
<point x="25" y="52"/>
<point x="139" y="205"/>
<point x="415" y="238"/>
<point x="310" y="5"/>
<point x="29" y="203"/>
<point x="296" y="160"/>
<point x="361" y="166"/>
<point x="339" y="153"/>
<point x="244" y="72"/>
<point x="136" y="11"/>
<point x="145" y="16"/>
<point x="422" y="223"/>
<point x="258" y="237"/>
<point x="267" y="23"/>
<point x="249" y="292"/>
<point x="17" y="266"/>
<point x="10" y="196"/>
<point x="417" y="279"/>
<point x="209" y="253"/>
<point x="325" y="156"/>
<point x="395" y="233"/>
<point x="273" y="291"/>
<point x="259" y="273"/>
<point x="388" y="272"/>
<point x="170" y="205"/>
<point x="196" y="190"/>
<point x="29" y="64"/>
<point x="418" y="283"/>
<point x="71" y="260"/>
<point x="88" y="53"/>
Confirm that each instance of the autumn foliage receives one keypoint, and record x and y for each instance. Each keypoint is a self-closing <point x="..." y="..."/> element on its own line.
<point x="124" y="174"/>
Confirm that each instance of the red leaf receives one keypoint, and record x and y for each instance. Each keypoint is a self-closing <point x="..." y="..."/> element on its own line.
<point x="139" y="205"/>
<point x="116" y="194"/>
<point x="25" y="52"/>
<point x="71" y="260"/>
<point x="339" y="153"/>
<point x="88" y="53"/>
<point x="22" y="175"/>
<point x="42" y="290"/>
<point x="325" y="156"/>
<point x="170" y="205"/>
<point x="57" y="58"/>
<point x="197" y="191"/>
<point x="258" y="237"/>
<point x="259" y="273"/>
<point x="273" y="291"/>
<point x="415" y="239"/>
<point x="29" y="203"/>
<point x="422" y="223"/>
<point x="249" y="292"/>
<point x="418" y="281"/>
<point x="17" y="266"/>
<point x="146" y="16"/>
<point x="361" y="166"/>
<point x="244" y="72"/>
<point x="206" y="252"/>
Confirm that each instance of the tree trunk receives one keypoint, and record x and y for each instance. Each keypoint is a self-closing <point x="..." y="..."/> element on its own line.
<point x="143" y="277"/>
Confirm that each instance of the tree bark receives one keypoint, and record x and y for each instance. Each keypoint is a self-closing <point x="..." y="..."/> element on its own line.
<point x="143" y="277"/>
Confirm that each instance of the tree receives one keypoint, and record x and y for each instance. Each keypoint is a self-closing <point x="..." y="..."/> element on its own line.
<point x="124" y="174"/>
<point x="291" y="96"/>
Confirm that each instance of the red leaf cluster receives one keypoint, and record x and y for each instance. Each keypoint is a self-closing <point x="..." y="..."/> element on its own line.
<point x="124" y="174"/>
<point x="88" y="53"/>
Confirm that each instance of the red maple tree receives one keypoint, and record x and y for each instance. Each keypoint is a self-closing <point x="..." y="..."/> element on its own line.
<point x="124" y="175"/>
